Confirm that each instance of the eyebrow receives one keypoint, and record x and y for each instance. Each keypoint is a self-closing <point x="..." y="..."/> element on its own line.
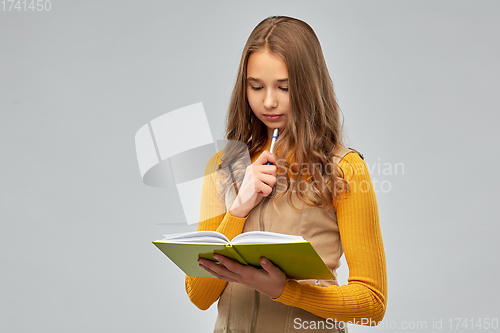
<point x="259" y="80"/>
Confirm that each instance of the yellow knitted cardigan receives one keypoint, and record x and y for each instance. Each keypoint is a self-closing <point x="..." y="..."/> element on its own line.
<point x="363" y="300"/>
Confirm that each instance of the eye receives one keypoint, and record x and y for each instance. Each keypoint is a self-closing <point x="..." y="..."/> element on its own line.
<point x="256" y="88"/>
<point x="283" y="88"/>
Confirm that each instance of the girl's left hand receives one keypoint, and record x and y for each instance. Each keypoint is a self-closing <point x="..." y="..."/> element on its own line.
<point x="269" y="280"/>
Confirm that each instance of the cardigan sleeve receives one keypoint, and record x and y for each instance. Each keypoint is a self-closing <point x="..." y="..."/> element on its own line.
<point x="363" y="300"/>
<point x="203" y="292"/>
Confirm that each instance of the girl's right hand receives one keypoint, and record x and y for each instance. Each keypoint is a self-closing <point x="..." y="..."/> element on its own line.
<point x="258" y="183"/>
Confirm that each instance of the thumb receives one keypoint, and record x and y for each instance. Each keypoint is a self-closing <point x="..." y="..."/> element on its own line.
<point x="268" y="266"/>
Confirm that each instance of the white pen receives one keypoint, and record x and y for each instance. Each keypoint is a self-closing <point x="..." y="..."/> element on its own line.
<point x="273" y="141"/>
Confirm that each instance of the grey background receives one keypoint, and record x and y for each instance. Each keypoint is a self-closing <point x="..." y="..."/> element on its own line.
<point x="417" y="81"/>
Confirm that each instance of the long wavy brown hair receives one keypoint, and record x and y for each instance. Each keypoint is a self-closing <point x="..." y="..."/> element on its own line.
<point x="306" y="147"/>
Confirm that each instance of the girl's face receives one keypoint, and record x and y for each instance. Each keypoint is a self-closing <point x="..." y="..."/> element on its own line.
<point x="267" y="89"/>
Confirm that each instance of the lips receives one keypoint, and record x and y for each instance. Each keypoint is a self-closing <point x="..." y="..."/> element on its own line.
<point x="273" y="117"/>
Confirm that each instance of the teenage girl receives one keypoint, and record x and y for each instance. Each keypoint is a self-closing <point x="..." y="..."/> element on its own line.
<point x="311" y="186"/>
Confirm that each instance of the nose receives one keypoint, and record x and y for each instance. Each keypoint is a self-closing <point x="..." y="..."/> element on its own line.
<point x="270" y="100"/>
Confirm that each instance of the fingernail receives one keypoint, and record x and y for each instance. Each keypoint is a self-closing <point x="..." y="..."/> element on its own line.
<point x="264" y="261"/>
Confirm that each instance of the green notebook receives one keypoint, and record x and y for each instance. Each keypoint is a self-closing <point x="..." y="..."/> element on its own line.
<point x="292" y="254"/>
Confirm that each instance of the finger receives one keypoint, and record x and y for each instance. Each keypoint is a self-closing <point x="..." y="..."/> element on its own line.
<point x="271" y="158"/>
<point x="219" y="269"/>
<point x="263" y="189"/>
<point x="217" y="275"/>
<point x="206" y="262"/>
<point x="269" y="267"/>
<point x="244" y="274"/>
<point x="265" y="157"/>
<point x="214" y="266"/>
<point x="266" y="169"/>
<point x="231" y="265"/>
<point x="269" y="180"/>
